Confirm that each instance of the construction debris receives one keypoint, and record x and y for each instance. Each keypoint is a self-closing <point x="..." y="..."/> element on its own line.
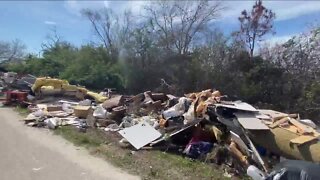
<point x="199" y="123"/>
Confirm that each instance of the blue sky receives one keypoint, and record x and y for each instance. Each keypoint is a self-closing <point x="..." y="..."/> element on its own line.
<point x="30" y="21"/>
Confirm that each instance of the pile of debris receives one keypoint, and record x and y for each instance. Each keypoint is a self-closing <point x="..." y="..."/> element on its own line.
<point x="203" y="125"/>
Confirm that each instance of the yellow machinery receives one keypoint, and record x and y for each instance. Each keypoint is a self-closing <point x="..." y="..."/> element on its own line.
<point x="46" y="85"/>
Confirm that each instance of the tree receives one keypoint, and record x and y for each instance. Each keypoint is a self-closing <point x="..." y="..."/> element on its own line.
<point x="178" y="23"/>
<point x="11" y="50"/>
<point x="254" y="25"/>
<point x="108" y="28"/>
<point x="53" y="39"/>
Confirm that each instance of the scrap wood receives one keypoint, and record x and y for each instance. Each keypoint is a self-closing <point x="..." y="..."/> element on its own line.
<point x="288" y="115"/>
<point x="291" y="128"/>
<point x="136" y="99"/>
<point x="182" y="128"/>
<point x="159" y="96"/>
<point x="113" y="102"/>
<point x="277" y="123"/>
<point x="217" y="133"/>
<point x="271" y="113"/>
<point x="302" y="128"/>
<point x="237" y="139"/>
<point x="201" y="109"/>
<point x="153" y="106"/>
<point x="54" y="108"/>
<point x="254" y="150"/>
<point x="302" y="139"/>
<point x="240" y="156"/>
<point x="147" y="98"/>
<point x="58" y="114"/>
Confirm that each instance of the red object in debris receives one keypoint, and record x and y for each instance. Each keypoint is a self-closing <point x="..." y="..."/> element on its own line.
<point x="15" y="96"/>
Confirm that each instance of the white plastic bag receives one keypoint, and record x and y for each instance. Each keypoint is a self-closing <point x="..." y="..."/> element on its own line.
<point x="52" y="123"/>
<point x="67" y="108"/>
<point x="176" y="110"/>
<point x="255" y="173"/>
<point x="39" y="113"/>
<point x="86" y="102"/>
<point x="100" y="112"/>
<point x="309" y="123"/>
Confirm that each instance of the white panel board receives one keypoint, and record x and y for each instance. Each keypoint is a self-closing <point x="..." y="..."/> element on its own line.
<point x="249" y="121"/>
<point x="236" y="138"/>
<point x="238" y="105"/>
<point x="140" y="134"/>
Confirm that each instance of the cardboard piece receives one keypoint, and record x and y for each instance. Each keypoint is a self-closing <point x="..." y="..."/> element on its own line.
<point x="249" y="121"/>
<point x="54" y="108"/>
<point x="113" y="102"/>
<point x="42" y="106"/>
<point x="81" y="111"/>
<point x="58" y="114"/>
<point x="140" y="135"/>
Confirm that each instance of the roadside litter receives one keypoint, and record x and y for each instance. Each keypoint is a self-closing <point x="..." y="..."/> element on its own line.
<point x="203" y="125"/>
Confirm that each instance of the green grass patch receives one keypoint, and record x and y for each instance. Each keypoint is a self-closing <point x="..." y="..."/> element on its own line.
<point x="22" y="110"/>
<point x="186" y="165"/>
<point x="89" y="139"/>
<point x="148" y="164"/>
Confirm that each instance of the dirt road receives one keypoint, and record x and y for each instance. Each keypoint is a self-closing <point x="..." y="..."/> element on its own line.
<point x="36" y="154"/>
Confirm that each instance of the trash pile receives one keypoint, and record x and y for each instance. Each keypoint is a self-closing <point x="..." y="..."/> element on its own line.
<point x="203" y="125"/>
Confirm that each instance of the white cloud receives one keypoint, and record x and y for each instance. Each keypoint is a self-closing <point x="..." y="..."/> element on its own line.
<point x="118" y="7"/>
<point x="75" y="7"/>
<point x="138" y="6"/>
<point x="50" y="22"/>
<point x="284" y="9"/>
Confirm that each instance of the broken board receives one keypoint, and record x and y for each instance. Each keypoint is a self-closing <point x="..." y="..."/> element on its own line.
<point x="271" y="113"/>
<point x="237" y="139"/>
<point x="237" y="105"/>
<point x="249" y="121"/>
<point x="302" y="139"/>
<point x="140" y="135"/>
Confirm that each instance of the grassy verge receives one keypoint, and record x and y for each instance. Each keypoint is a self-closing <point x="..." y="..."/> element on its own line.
<point x="149" y="164"/>
<point x="22" y="110"/>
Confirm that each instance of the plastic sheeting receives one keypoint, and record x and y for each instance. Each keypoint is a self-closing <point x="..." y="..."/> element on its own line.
<point x="295" y="170"/>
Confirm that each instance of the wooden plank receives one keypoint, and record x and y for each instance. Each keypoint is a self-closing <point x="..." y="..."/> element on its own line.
<point x="273" y="114"/>
<point x="291" y="128"/>
<point x="302" y="139"/>
<point x="277" y="123"/>
<point x="303" y="129"/>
